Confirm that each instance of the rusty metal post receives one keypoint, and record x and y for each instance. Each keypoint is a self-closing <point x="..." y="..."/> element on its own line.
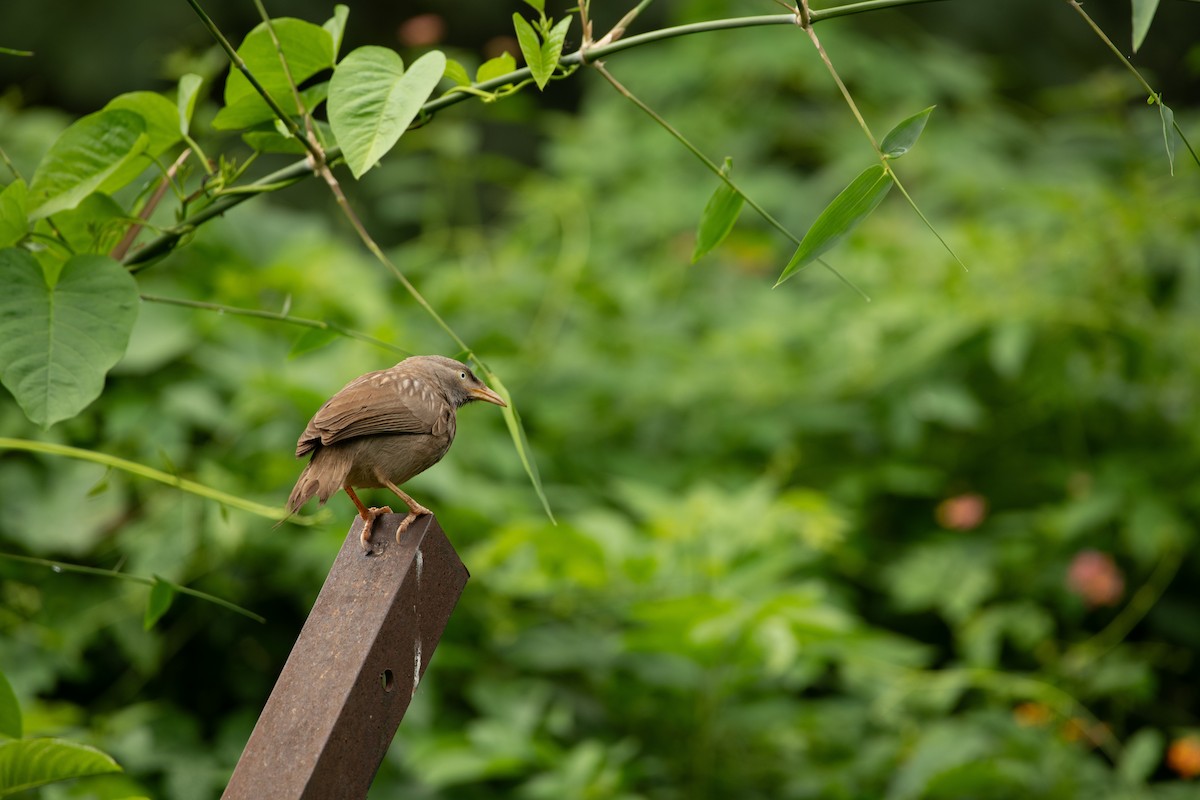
<point x="350" y="676"/>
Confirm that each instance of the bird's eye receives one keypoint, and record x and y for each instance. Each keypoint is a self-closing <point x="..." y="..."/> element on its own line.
<point x="462" y="375"/>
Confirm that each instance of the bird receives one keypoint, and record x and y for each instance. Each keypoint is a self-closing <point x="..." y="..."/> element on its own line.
<point x="383" y="428"/>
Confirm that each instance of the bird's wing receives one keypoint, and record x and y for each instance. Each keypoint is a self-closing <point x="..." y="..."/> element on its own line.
<point x="377" y="403"/>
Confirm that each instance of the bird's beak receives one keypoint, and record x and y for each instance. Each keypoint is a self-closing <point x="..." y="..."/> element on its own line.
<point x="487" y="395"/>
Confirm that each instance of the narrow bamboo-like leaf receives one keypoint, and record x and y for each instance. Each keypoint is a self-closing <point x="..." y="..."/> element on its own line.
<point x="1168" y="125"/>
<point x="308" y="49"/>
<point x="531" y="49"/>
<point x="14" y="213"/>
<point x="552" y="50"/>
<point x="58" y="342"/>
<point x="10" y="710"/>
<point x="86" y="154"/>
<point x="840" y="217"/>
<point x="189" y="89"/>
<point x="901" y="138"/>
<point x="336" y="25"/>
<point x="495" y="67"/>
<point x="456" y="72"/>
<point x="719" y="216"/>
<point x="27" y="763"/>
<point x="373" y="99"/>
<point x="1143" y="15"/>
<point x="516" y="430"/>
<point x="162" y="593"/>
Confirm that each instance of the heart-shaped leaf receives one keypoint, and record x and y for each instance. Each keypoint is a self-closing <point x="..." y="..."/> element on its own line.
<point x="58" y="342"/>
<point x="373" y="100"/>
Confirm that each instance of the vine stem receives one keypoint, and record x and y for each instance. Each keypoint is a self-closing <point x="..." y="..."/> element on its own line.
<point x="300" y="170"/>
<point x="141" y="470"/>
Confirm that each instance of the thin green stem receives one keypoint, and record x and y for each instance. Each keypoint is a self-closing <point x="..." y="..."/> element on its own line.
<point x="716" y="170"/>
<point x="237" y="61"/>
<point x="276" y="316"/>
<point x="1109" y="43"/>
<point x="812" y="34"/>
<point x="913" y="204"/>
<point x="141" y="470"/>
<point x="64" y="566"/>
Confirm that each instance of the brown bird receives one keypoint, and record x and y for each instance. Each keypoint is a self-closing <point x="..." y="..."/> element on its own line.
<point x="383" y="428"/>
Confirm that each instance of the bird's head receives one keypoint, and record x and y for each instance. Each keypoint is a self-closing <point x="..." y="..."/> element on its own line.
<point x="455" y="379"/>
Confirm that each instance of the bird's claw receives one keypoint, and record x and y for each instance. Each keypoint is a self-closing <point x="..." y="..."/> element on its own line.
<point x="368" y="521"/>
<point x="419" y="511"/>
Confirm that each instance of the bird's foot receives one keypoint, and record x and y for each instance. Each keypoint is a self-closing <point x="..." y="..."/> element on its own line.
<point x="417" y="510"/>
<point x="368" y="521"/>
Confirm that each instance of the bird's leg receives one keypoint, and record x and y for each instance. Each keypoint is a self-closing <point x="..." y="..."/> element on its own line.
<point x="368" y="515"/>
<point x="415" y="509"/>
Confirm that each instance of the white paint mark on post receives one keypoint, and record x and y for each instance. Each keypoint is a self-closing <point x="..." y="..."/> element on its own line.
<point x="416" y="664"/>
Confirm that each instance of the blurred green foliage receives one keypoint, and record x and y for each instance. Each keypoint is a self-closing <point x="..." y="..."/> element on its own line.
<point x="938" y="545"/>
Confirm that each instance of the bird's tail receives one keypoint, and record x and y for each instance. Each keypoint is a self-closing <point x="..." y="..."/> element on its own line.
<point x="324" y="474"/>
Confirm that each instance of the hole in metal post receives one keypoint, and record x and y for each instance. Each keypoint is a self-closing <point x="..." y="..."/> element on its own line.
<point x="388" y="679"/>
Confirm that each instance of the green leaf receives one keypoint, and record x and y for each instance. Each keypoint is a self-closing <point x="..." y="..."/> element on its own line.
<point x="336" y="25"/>
<point x="372" y="101"/>
<point x="537" y="5"/>
<point x="162" y="128"/>
<point x="1143" y="15"/>
<point x="14" y="213"/>
<point x="10" y="710"/>
<point x="502" y="64"/>
<point x="189" y="90"/>
<point x="27" y="763"/>
<point x="162" y="593"/>
<point x="456" y="72"/>
<point x="58" y="342"/>
<point x="720" y="213"/>
<point x="541" y="57"/>
<point x="84" y="157"/>
<point x="531" y="48"/>
<point x="1141" y="755"/>
<point x="308" y="48"/>
<point x="552" y="48"/>
<point x="840" y="217"/>
<point x="901" y="138"/>
<point x="94" y="226"/>
<point x="517" y="431"/>
<point x="160" y="115"/>
<point x="312" y="339"/>
<point x="1168" y="125"/>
